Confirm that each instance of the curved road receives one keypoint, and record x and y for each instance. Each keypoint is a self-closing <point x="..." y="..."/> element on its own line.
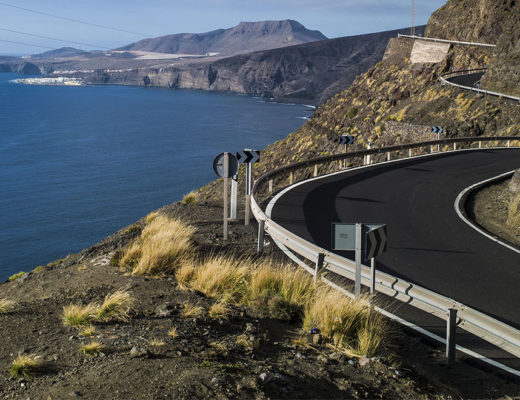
<point x="428" y="243"/>
<point x="468" y="80"/>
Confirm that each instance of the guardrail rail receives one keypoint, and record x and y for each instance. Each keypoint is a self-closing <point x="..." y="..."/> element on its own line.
<point x="445" y="81"/>
<point x="302" y="251"/>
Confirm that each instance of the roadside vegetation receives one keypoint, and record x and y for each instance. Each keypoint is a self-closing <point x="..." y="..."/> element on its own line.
<point x="267" y="287"/>
<point x="25" y="365"/>
<point x="116" y="307"/>
<point x="7" y="306"/>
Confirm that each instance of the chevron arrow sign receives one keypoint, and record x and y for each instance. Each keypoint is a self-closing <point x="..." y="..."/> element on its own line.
<point x="375" y="240"/>
<point x="343" y="139"/>
<point x="248" y="156"/>
<point x="437" y="129"/>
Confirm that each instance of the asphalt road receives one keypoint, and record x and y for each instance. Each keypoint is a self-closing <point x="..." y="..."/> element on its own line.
<point x="467" y="80"/>
<point x="428" y="242"/>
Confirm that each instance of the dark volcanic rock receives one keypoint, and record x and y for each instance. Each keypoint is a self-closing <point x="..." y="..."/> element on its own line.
<point x="310" y="72"/>
<point x="29" y="69"/>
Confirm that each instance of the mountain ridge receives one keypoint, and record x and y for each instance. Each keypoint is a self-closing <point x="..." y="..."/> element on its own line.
<point x="244" y="37"/>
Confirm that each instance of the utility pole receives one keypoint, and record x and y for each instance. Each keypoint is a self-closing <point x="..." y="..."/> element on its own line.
<point x="412" y="27"/>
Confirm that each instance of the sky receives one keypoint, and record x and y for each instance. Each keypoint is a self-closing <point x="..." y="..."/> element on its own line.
<point x="152" y="18"/>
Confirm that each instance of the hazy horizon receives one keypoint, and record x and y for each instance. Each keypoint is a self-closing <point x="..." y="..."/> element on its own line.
<point x="334" y="18"/>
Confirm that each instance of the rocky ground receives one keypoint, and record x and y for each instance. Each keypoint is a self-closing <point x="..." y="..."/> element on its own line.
<point x="489" y="208"/>
<point x="245" y="356"/>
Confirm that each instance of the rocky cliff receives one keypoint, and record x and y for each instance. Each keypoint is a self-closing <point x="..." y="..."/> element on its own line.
<point x="398" y="101"/>
<point x="309" y="72"/>
<point x="504" y="70"/>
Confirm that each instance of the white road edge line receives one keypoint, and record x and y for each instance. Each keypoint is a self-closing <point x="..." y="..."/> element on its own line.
<point x="400" y="320"/>
<point x="458" y="205"/>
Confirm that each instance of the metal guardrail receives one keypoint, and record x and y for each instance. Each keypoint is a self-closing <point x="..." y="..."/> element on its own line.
<point x="473" y="321"/>
<point x="446" y="41"/>
<point x="445" y="81"/>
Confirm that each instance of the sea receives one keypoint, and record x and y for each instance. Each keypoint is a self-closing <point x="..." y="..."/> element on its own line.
<point x="79" y="163"/>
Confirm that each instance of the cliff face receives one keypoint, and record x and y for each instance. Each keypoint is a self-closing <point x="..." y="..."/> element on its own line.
<point x="310" y="72"/>
<point x="245" y="37"/>
<point x="504" y="70"/>
<point x="398" y="101"/>
<point x="471" y="20"/>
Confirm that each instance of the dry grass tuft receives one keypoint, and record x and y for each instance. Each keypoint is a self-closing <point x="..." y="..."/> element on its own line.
<point x="150" y="217"/>
<point x="173" y="332"/>
<point x="117" y="306"/>
<point x="219" y="311"/>
<point x="161" y="247"/>
<point x="190" y="198"/>
<point x="79" y="315"/>
<point x="88" y="331"/>
<point x="15" y="276"/>
<point x="91" y="348"/>
<point x="191" y="310"/>
<point x="7" y="306"/>
<point x="25" y="365"/>
<point x="348" y="323"/>
<point x="156" y="342"/>
<point x="219" y="276"/>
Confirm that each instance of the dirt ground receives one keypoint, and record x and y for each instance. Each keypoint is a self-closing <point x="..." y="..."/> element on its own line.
<point x="245" y="357"/>
<point x="489" y="208"/>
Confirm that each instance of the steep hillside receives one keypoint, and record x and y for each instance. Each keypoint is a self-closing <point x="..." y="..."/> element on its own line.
<point x="471" y="20"/>
<point x="245" y="37"/>
<point x="309" y="72"/>
<point x="504" y="69"/>
<point x="397" y="101"/>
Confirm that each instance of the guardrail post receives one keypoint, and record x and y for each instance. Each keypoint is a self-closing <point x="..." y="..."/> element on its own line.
<point x="509" y="143"/>
<point x="388" y="156"/>
<point x="319" y="266"/>
<point x="316" y="170"/>
<point x="480" y="144"/>
<point x="357" y="280"/>
<point x="373" y="276"/>
<point x="270" y="186"/>
<point x="291" y="178"/>
<point x="450" y="336"/>
<point x="261" y="231"/>
<point x="409" y="152"/>
<point x="454" y="146"/>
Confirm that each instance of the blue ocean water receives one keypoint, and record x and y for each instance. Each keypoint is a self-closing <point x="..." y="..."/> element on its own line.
<point x="78" y="163"/>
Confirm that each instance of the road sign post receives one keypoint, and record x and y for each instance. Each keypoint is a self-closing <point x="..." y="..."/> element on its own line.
<point x="367" y="241"/>
<point x="357" y="280"/>
<point x="234" y="198"/>
<point x="226" y="173"/>
<point x="225" y="165"/>
<point x="346" y="140"/>
<point x="438" y="130"/>
<point x="248" y="156"/>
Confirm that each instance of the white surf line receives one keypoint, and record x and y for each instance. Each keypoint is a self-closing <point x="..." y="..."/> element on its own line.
<point x="458" y="206"/>
<point x="400" y="320"/>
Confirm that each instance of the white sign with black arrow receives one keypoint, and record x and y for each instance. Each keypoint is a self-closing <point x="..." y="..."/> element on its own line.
<point x="249" y="157"/>
<point x="367" y="240"/>
<point x="346" y="140"/>
<point x="438" y="130"/>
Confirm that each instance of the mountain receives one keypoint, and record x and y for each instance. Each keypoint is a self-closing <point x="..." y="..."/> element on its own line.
<point x="245" y="37"/>
<point x="309" y="72"/>
<point x="397" y="100"/>
<point x="63" y="52"/>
